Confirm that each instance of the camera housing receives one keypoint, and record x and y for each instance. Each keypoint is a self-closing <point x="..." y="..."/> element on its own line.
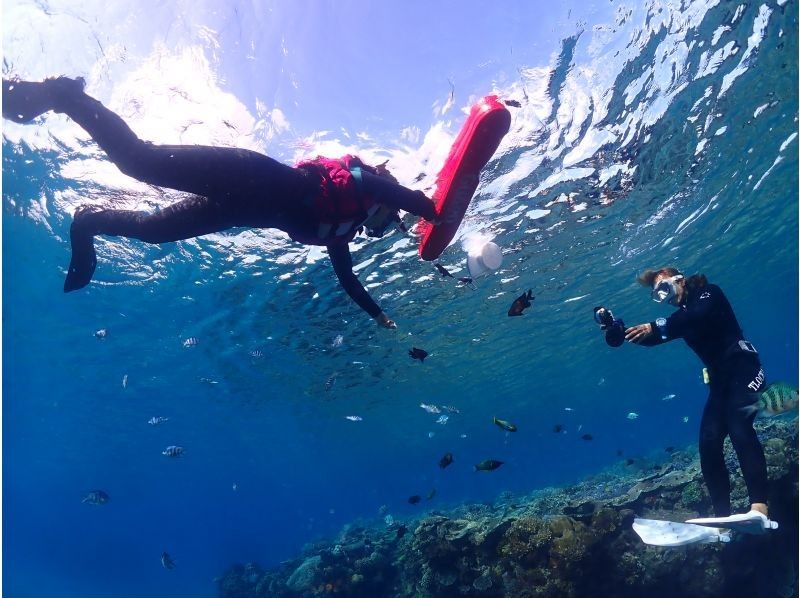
<point x="615" y="328"/>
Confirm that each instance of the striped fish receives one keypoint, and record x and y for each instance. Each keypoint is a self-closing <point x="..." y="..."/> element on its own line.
<point x="779" y="397"/>
<point x="96" y="497"/>
<point x="173" y="451"/>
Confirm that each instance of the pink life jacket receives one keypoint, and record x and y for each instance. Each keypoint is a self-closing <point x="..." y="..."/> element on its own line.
<point x="340" y="207"/>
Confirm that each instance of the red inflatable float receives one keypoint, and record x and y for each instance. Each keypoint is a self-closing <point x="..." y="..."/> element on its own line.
<point x="485" y="127"/>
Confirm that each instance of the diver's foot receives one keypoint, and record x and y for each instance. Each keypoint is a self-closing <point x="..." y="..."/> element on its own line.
<point x="25" y="100"/>
<point x="84" y="259"/>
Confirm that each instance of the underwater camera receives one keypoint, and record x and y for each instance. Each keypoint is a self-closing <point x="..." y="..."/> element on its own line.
<point x="615" y="329"/>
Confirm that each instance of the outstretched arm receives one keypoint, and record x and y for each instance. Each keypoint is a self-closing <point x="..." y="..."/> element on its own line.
<point x="343" y="266"/>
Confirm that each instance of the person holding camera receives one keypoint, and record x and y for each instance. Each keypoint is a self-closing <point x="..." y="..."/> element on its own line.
<point x="704" y="319"/>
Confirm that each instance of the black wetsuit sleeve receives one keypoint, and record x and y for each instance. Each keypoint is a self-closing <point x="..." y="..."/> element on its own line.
<point x="343" y="266"/>
<point x="683" y="320"/>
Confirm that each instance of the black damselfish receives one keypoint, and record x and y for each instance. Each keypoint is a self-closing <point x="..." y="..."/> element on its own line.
<point x="420" y="354"/>
<point x="521" y="303"/>
<point x="446" y="460"/>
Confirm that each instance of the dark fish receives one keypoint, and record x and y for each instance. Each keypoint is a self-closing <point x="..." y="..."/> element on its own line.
<point x="670" y="449"/>
<point x="586" y="437"/>
<point x="520" y="303"/>
<point x="431" y="494"/>
<point x="507" y="426"/>
<point x="419" y="177"/>
<point x="619" y="452"/>
<point x="446" y="460"/>
<point x="414" y="499"/>
<point x="443" y="271"/>
<point x="488" y="465"/>
<point x="629" y="461"/>
<point x="173" y="451"/>
<point x="420" y="354"/>
<point x="465" y="280"/>
<point x="166" y="561"/>
<point x="558" y="428"/>
<point x="513" y="103"/>
<point x="96" y="497"/>
<point x="401" y="531"/>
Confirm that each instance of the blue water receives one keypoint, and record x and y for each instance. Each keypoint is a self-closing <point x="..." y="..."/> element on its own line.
<point x="657" y="134"/>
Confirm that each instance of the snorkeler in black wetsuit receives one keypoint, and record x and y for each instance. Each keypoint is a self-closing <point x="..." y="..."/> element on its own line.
<point x="705" y="320"/>
<point x="320" y="202"/>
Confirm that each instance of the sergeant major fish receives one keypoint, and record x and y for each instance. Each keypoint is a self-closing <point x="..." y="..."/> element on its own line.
<point x="779" y="397"/>
<point x="96" y="497"/>
<point x="155" y="421"/>
<point x="173" y="451"/>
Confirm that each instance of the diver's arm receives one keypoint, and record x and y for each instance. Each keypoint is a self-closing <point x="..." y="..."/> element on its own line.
<point x="343" y="266"/>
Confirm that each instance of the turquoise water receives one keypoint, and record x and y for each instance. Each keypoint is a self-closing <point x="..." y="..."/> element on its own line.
<point x="658" y="134"/>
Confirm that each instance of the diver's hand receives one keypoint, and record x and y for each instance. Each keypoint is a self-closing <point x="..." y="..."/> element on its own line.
<point x="638" y="333"/>
<point x="383" y="320"/>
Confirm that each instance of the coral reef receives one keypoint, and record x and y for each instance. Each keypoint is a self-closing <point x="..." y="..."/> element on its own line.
<point x="567" y="542"/>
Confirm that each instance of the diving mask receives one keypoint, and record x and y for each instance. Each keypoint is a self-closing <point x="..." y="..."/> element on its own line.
<point x="666" y="290"/>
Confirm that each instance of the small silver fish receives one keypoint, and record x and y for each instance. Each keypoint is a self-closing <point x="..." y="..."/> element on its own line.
<point x="450" y="409"/>
<point x="354" y="418"/>
<point x="155" y="421"/>
<point x="208" y="381"/>
<point x="430" y="408"/>
<point x="442" y="419"/>
<point x="173" y="451"/>
<point x="96" y="497"/>
<point x="101" y="333"/>
<point x="190" y="342"/>
<point x="256" y="354"/>
<point x="125" y="381"/>
<point x="633" y="415"/>
<point x="669" y="397"/>
<point x="337" y="342"/>
<point x="778" y="398"/>
<point x="330" y="382"/>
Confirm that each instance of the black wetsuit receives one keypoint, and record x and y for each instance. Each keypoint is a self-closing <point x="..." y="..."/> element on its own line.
<point x="231" y="187"/>
<point x="708" y="325"/>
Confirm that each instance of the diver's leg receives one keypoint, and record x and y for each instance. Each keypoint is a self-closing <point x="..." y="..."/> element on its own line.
<point x="203" y="170"/>
<point x="744" y="438"/>
<point x="396" y="196"/>
<point x="185" y="219"/>
<point x="712" y="457"/>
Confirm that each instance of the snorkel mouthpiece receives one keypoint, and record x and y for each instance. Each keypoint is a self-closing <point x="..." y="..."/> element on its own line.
<point x="666" y="290"/>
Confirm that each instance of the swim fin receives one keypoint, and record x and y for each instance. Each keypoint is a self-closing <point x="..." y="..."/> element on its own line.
<point x="753" y="522"/>
<point x="25" y="100"/>
<point x="84" y="259"/>
<point x="670" y="533"/>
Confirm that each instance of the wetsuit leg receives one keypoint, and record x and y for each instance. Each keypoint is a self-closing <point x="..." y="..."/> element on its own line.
<point x="740" y="426"/>
<point x="396" y="196"/>
<point x="712" y="458"/>
<point x="223" y="172"/>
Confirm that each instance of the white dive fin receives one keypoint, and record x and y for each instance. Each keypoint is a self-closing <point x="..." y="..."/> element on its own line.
<point x="753" y="522"/>
<point x="671" y="533"/>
